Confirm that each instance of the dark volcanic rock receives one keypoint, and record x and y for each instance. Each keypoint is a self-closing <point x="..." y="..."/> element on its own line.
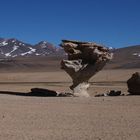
<point x="134" y="84"/>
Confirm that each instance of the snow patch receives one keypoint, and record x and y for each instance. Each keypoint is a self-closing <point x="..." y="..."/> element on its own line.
<point x="4" y="43"/>
<point x="22" y="54"/>
<point x="29" y="52"/>
<point x="37" y="54"/>
<point x="110" y="48"/>
<point x="14" y="55"/>
<point x="32" y="50"/>
<point x="136" y="54"/>
<point x="13" y="41"/>
<point x="44" y="44"/>
<point x="7" y="54"/>
<point x="14" y="48"/>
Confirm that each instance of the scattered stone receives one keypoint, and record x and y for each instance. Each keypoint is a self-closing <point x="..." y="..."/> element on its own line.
<point x="85" y="59"/>
<point x="111" y="93"/>
<point x="134" y="84"/>
<point x="65" y="94"/>
<point x="114" y="93"/>
<point x="42" y="92"/>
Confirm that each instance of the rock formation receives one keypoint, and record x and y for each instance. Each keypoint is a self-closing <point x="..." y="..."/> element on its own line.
<point x="134" y="84"/>
<point x="85" y="59"/>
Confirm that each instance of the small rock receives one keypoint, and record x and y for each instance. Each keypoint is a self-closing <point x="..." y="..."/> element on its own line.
<point x="134" y="84"/>
<point x="110" y="93"/>
<point x="114" y="93"/>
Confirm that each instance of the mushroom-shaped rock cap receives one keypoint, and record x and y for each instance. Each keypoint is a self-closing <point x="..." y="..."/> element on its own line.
<point x="89" y="52"/>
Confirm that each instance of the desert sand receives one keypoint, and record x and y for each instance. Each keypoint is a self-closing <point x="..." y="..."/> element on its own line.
<point x="68" y="118"/>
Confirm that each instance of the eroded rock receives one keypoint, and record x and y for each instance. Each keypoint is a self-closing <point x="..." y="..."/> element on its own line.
<point x="85" y="59"/>
<point x="134" y="84"/>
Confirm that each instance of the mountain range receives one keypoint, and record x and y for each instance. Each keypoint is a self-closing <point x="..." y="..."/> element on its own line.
<point x="15" y="48"/>
<point x="17" y="56"/>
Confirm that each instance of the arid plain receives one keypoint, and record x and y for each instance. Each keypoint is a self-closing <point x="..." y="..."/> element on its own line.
<point x="72" y="118"/>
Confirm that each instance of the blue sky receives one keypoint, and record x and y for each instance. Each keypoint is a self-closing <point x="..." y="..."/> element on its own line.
<point x="114" y="23"/>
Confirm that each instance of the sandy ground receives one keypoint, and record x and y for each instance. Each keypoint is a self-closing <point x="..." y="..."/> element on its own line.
<point x="100" y="83"/>
<point x="67" y="118"/>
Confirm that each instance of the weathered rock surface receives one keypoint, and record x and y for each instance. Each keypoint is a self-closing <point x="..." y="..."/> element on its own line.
<point x="134" y="84"/>
<point x="85" y="59"/>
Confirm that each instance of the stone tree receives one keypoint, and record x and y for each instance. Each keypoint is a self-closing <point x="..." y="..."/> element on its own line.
<point x="85" y="59"/>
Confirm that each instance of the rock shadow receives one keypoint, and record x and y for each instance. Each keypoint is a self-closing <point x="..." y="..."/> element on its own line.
<point x="38" y="92"/>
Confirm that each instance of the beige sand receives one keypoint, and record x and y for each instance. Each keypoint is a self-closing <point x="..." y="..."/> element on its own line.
<point x="55" y="118"/>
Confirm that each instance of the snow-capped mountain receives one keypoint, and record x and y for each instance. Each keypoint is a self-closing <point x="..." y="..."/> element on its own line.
<point x="45" y="48"/>
<point x="13" y="48"/>
<point x="14" y="56"/>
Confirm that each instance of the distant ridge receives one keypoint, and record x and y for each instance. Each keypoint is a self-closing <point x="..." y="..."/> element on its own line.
<point x="17" y="56"/>
<point x="128" y="57"/>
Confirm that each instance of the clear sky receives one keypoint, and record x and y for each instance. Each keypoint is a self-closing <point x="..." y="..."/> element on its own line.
<point x="114" y="23"/>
